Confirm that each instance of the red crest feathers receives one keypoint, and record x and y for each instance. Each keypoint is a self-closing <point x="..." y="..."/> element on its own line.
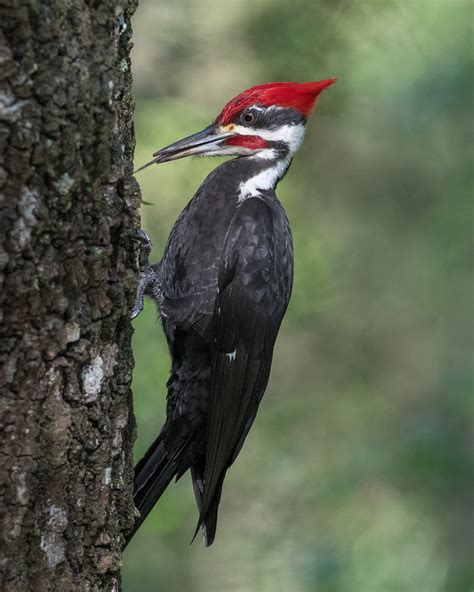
<point x="299" y="96"/>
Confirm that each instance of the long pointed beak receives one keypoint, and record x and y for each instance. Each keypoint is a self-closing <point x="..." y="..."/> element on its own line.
<point x="207" y="141"/>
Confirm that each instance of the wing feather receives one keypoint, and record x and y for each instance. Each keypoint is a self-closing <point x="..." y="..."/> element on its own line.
<point x="250" y="305"/>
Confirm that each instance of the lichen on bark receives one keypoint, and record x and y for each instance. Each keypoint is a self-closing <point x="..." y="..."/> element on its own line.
<point x="68" y="209"/>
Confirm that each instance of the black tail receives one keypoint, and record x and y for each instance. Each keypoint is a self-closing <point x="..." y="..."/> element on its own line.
<point x="153" y="474"/>
<point x="208" y="523"/>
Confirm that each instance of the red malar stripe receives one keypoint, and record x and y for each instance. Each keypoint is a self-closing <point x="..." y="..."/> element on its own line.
<point x="252" y="142"/>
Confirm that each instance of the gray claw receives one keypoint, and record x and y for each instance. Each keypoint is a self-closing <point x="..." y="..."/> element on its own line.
<point x="138" y="306"/>
<point x="145" y="248"/>
<point x="147" y="276"/>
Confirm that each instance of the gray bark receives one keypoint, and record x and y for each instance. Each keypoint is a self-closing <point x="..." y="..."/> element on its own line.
<point x="68" y="207"/>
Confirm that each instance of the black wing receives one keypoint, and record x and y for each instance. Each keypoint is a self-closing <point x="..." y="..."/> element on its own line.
<point x="254" y="289"/>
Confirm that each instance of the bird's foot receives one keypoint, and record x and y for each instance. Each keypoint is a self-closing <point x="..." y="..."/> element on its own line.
<point x="145" y="247"/>
<point x="147" y="278"/>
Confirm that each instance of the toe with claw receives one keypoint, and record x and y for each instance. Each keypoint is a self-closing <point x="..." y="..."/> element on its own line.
<point x="147" y="280"/>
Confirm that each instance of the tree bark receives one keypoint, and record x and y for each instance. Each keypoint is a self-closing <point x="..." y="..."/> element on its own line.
<point x="68" y="208"/>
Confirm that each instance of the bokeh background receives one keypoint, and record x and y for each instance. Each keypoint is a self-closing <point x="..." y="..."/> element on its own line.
<point x="356" y="476"/>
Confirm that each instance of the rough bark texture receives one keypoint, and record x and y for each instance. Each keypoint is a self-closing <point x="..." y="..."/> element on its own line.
<point x="68" y="208"/>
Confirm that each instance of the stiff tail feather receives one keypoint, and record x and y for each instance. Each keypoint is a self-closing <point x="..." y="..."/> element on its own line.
<point x="207" y="522"/>
<point x="153" y="474"/>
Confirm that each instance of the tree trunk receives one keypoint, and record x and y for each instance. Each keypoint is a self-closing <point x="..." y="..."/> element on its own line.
<point x="68" y="207"/>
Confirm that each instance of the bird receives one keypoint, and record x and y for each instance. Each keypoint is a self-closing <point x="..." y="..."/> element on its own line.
<point x="221" y="290"/>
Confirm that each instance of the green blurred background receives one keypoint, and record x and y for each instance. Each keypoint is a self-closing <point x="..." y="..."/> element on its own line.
<point x="356" y="476"/>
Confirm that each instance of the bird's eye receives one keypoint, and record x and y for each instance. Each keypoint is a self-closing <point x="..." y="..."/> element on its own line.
<point x="248" y="117"/>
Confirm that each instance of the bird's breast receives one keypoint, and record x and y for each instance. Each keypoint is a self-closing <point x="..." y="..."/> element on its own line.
<point x="194" y="250"/>
<point x="193" y="255"/>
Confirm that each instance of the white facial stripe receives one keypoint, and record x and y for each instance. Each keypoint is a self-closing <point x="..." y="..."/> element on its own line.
<point x="266" y="179"/>
<point x="266" y="154"/>
<point x="292" y="135"/>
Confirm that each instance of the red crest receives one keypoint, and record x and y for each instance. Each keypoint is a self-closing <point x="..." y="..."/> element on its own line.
<point x="299" y="96"/>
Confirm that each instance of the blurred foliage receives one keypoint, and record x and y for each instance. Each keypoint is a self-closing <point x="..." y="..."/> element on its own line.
<point x="356" y="476"/>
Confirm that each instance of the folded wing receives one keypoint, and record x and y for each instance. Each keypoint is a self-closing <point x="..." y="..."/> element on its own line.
<point x="254" y="289"/>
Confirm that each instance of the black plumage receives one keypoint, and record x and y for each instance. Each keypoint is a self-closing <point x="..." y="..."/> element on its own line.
<point x="223" y="286"/>
<point x="222" y="289"/>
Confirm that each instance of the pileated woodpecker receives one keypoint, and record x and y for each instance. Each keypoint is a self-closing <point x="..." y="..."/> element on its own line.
<point x="221" y="289"/>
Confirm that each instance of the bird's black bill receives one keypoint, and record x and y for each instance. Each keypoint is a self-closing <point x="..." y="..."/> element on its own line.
<point x="204" y="142"/>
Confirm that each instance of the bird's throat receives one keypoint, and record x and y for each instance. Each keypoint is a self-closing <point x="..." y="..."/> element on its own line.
<point x="264" y="176"/>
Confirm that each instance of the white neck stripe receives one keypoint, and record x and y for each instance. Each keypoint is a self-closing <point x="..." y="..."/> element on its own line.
<point x="264" y="180"/>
